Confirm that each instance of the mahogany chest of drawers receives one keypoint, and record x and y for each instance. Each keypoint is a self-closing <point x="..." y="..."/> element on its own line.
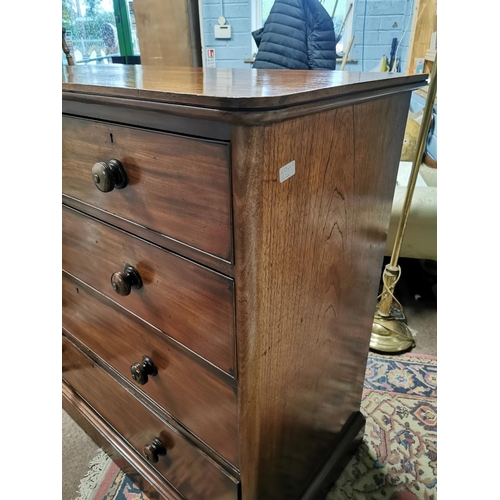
<point x="223" y="233"/>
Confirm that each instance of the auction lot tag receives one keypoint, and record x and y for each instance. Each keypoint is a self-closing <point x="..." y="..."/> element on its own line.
<point x="287" y="171"/>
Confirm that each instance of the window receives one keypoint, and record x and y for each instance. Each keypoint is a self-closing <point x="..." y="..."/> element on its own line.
<point x="97" y="30"/>
<point x="261" y="9"/>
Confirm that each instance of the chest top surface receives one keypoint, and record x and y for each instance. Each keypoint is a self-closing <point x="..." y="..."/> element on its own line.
<point x="225" y="88"/>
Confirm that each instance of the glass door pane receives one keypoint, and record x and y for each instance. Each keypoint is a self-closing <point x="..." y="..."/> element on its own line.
<point x="91" y="30"/>
<point x="133" y="28"/>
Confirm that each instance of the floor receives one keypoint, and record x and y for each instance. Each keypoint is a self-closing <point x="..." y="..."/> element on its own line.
<point x="416" y="291"/>
<point x="77" y="451"/>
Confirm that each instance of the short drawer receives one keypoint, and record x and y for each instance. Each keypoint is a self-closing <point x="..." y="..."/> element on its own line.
<point x="187" y="301"/>
<point x="176" y="186"/>
<point x="191" y="393"/>
<point x="184" y="466"/>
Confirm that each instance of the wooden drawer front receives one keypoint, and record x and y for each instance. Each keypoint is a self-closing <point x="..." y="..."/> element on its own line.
<point x="199" y="399"/>
<point x="191" y="303"/>
<point x="178" y="187"/>
<point x="185" y="467"/>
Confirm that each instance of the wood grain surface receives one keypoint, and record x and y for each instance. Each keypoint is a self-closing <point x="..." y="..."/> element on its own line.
<point x="120" y="451"/>
<point x="290" y="329"/>
<point x="185" y="467"/>
<point x="424" y="23"/>
<point x="226" y="88"/>
<point x="191" y="253"/>
<point x="308" y="260"/>
<point x="168" y="32"/>
<point x="177" y="186"/>
<point x="188" y="302"/>
<point x="201" y="401"/>
<point x="142" y="114"/>
<point x="115" y="108"/>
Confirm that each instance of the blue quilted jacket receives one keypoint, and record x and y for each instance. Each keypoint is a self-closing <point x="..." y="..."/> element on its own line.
<point x="298" y="34"/>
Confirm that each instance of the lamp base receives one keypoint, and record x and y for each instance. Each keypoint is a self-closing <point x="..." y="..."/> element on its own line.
<point x="390" y="335"/>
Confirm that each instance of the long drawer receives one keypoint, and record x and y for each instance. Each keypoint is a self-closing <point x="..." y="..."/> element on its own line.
<point x="184" y="466"/>
<point x="195" y="396"/>
<point x="177" y="186"/>
<point x="189" y="302"/>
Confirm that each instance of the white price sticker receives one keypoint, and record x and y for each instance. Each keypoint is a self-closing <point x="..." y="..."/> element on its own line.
<point x="287" y="171"/>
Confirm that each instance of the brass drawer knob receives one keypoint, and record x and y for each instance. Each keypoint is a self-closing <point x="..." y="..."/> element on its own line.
<point x="123" y="282"/>
<point x="109" y="175"/>
<point x="153" y="450"/>
<point x="140" y="371"/>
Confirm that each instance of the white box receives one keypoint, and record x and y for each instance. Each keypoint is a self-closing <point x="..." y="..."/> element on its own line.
<point x="223" y="32"/>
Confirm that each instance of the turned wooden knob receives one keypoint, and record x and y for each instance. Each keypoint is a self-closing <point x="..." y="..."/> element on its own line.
<point x="123" y="282"/>
<point x="153" y="450"/>
<point x="109" y="175"/>
<point x="140" y="371"/>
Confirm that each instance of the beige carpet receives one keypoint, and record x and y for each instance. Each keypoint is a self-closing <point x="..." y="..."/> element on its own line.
<point x="78" y="450"/>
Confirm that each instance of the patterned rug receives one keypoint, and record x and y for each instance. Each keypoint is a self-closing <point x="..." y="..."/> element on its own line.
<point x="399" y="451"/>
<point x="106" y="481"/>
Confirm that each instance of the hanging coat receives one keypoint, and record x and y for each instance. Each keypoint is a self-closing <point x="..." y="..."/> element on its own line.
<point x="298" y="34"/>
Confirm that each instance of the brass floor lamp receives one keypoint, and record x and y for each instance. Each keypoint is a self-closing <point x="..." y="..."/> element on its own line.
<point x="391" y="334"/>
